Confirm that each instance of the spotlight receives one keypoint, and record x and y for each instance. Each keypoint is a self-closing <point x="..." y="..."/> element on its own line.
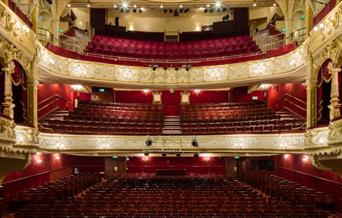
<point x="254" y="4"/>
<point x="180" y="6"/>
<point x="194" y="143"/>
<point x="161" y="6"/>
<point x="134" y="6"/>
<point x="148" y="142"/>
<point x="124" y="5"/>
<point x="69" y="5"/>
<point x="88" y="5"/>
<point x="208" y="5"/>
<point x="115" y="6"/>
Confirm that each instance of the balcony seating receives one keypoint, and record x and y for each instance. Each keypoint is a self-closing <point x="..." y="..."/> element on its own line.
<point x="109" y="118"/>
<point x="54" y="191"/>
<point x="112" y="46"/>
<point x="140" y="195"/>
<point x="286" y="190"/>
<point x="146" y="119"/>
<point x="229" y="118"/>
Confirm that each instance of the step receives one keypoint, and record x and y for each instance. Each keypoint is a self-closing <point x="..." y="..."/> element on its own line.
<point x="171" y="127"/>
<point x="172" y="132"/>
<point x="172" y="119"/>
<point x="166" y="123"/>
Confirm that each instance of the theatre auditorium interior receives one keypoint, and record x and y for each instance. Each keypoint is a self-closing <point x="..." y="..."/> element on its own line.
<point x="170" y="108"/>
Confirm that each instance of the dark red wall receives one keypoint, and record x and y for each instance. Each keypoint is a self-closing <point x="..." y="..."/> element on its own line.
<point x="240" y="94"/>
<point x="65" y="100"/>
<point x="209" y="97"/>
<point x="133" y="97"/>
<point x="293" y="167"/>
<point x="197" y="165"/>
<point x="295" y="94"/>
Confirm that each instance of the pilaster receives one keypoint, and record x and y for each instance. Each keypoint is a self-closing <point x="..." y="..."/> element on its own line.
<point x="8" y="100"/>
<point x="334" y="95"/>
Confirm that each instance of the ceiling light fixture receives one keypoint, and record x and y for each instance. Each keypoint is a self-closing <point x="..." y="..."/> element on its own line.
<point x="181" y="6"/>
<point x="161" y="6"/>
<point x="88" y="5"/>
<point x="254" y="4"/>
<point x="115" y="6"/>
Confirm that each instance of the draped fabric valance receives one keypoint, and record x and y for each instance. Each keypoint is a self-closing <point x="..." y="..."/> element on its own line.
<point x="19" y="76"/>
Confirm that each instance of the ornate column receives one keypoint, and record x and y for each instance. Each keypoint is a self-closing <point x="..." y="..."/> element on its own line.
<point x="8" y="100"/>
<point x="311" y="96"/>
<point x="334" y="95"/>
<point x="309" y="17"/>
<point x="32" y="94"/>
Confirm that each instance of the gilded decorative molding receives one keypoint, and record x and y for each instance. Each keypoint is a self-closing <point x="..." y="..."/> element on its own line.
<point x="258" y="143"/>
<point x="26" y="137"/>
<point x="288" y="66"/>
<point x="17" y="33"/>
<point x="316" y="138"/>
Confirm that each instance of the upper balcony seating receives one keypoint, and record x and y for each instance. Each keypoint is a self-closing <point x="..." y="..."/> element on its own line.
<point x="230" y="118"/>
<point x="112" y="46"/>
<point x="143" y="196"/>
<point x="109" y="118"/>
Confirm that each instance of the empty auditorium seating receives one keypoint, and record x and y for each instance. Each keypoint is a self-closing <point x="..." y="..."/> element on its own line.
<point x="229" y="118"/>
<point x="109" y="118"/>
<point x="286" y="190"/>
<point x="146" y="119"/>
<point x="113" y="46"/>
<point x="138" y="195"/>
<point x="54" y="191"/>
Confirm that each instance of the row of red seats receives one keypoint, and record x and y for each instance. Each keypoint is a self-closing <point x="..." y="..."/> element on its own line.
<point x="114" y="46"/>
<point x="171" y="196"/>
<point x="53" y="191"/>
<point x="286" y="190"/>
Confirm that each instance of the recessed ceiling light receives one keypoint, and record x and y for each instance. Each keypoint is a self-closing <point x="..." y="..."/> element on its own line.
<point x="161" y="6"/>
<point x="115" y="6"/>
<point x="208" y="5"/>
<point x="142" y="8"/>
<point x="181" y="6"/>
<point x="88" y="5"/>
<point x="69" y="5"/>
<point x="274" y="5"/>
<point x="217" y="4"/>
<point x="254" y="4"/>
<point x="134" y="6"/>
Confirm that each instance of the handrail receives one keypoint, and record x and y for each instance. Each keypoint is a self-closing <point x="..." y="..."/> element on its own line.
<point x="288" y="95"/>
<point x="53" y="96"/>
<point x="306" y="174"/>
<point x="34" y="175"/>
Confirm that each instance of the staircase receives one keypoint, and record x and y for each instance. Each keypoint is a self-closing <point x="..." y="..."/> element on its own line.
<point x="171" y="125"/>
<point x="286" y="115"/>
<point x="56" y="115"/>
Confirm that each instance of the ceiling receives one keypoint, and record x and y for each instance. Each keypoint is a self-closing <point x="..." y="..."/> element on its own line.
<point x="170" y="3"/>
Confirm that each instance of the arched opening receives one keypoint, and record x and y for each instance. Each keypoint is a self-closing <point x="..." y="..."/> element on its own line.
<point x="19" y="89"/>
<point x="323" y="94"/>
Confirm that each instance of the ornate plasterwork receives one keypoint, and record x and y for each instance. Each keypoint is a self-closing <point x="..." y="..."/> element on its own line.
<point x="268" y="143"/>
<point x="18" y="34"/>
<point x="290" y="65"/>
<point x="26" y="137"/>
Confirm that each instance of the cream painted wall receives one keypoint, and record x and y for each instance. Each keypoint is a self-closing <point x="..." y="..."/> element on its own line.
<point x="83" y="18"/>
<point x="157" y="21"/>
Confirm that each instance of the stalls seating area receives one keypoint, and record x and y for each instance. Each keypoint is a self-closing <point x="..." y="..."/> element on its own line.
<point x="138" y="195"/>
<point x="109" y="118"/>
<point x="230" y="118"/>
<point x="114" y="46"/>
<point x="53" y="191"/>
<point x="286" y="190"/>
